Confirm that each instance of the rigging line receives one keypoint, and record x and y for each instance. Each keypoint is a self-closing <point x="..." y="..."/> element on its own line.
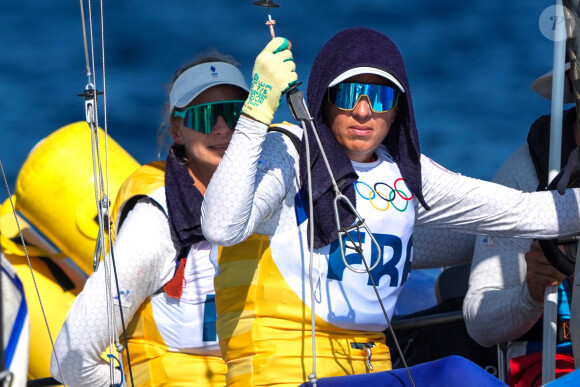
<point x="105" y="106"/>
<point x="91" y="117"/>
<point x="300" y="112"/>
<point x="386" y="316"/>
<point x="110" y="313"/>
<point x="85" y="41"/>
<point x="18" y="224"/>
<point x="98" y="186"/>
<point x="118" y="345"/>
<point x="312" y="377"/>
<point x="114" y="338"/>
<point x="339" y="196"/>
<point x="356" y="226"/>
<point x="92" y="57"/>
<point x="99" y="200"/>
<point x="91" y="111"/>
<point x="97" y="175"/>
<point x="30" y="267"/>
<point x="103" y="196"/>
<point x="105" y="202"/>
<point x="302" y="116"/>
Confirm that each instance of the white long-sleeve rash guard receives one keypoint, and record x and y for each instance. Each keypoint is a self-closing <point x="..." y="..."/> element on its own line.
<point x="498" y="306"/>
<point x="144" y="256"/>
<point x="262" y="170"/>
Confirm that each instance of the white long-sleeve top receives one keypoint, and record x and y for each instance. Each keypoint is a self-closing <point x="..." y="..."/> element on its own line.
<point x="435" y="248"/>
<point x="262" y="168"/>
<point x="498" y="306"/>
<point x="145" y="260"/>
<point x="457" y="202"/>
<point x="145" y="252"/>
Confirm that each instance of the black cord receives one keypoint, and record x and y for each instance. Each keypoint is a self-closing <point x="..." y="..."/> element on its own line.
<point x="121" y="314"/>
<point x="359" y="252"/>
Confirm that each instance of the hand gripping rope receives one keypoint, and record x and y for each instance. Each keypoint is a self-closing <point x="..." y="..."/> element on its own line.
<point x="271" y="22"/>
<point x="299" y="110"/>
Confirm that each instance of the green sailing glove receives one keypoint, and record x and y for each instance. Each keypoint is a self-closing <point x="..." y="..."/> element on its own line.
<point x="274" y="72"/>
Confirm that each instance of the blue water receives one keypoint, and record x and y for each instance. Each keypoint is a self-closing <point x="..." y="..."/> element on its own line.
<point x="470" y="66"/>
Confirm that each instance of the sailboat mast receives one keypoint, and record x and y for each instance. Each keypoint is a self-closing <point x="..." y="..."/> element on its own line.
<point x="573" y="33"/>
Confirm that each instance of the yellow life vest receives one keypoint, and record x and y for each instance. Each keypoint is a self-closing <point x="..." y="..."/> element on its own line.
<point x="152" y="361"/>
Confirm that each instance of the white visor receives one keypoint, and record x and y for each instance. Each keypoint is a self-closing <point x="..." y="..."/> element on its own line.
<point x="366" y="70"/>
<point x="193" y="81"/>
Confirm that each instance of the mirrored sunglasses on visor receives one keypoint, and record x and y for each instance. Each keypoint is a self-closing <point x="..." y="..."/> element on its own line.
<point x="202" y="118"/>
<point x="346" y="95"/>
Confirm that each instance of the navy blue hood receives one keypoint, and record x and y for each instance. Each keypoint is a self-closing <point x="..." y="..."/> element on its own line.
<point x="351" y="48"/>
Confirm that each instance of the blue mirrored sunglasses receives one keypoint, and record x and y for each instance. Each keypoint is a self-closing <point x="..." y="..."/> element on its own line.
<point x="202" y="118"/>
<point x="345" y="96"/>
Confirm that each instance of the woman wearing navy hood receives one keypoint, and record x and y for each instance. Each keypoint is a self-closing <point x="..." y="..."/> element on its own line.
<point x="267" y="292"/>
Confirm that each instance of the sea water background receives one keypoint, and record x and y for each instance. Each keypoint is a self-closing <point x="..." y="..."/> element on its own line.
<point x="470" y="66"/>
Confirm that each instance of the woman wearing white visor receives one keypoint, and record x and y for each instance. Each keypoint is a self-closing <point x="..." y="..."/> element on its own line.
<point x="162" y="260"/>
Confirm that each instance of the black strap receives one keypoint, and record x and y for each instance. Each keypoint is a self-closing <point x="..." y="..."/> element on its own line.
<point x="183" y="253"/>
<point x="294" y="138"/>
<point x="59" y="275"/>
<point x="128" y="206"/>
<point x="536" y="332"/>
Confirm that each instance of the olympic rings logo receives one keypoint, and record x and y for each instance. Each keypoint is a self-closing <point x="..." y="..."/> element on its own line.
<point x="386" y="194"/>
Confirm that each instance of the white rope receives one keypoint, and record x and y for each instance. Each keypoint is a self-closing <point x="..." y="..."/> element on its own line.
<point x="300" y="112"/>
<point x="312" y="377"/>
<point x="102" y="191"/>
